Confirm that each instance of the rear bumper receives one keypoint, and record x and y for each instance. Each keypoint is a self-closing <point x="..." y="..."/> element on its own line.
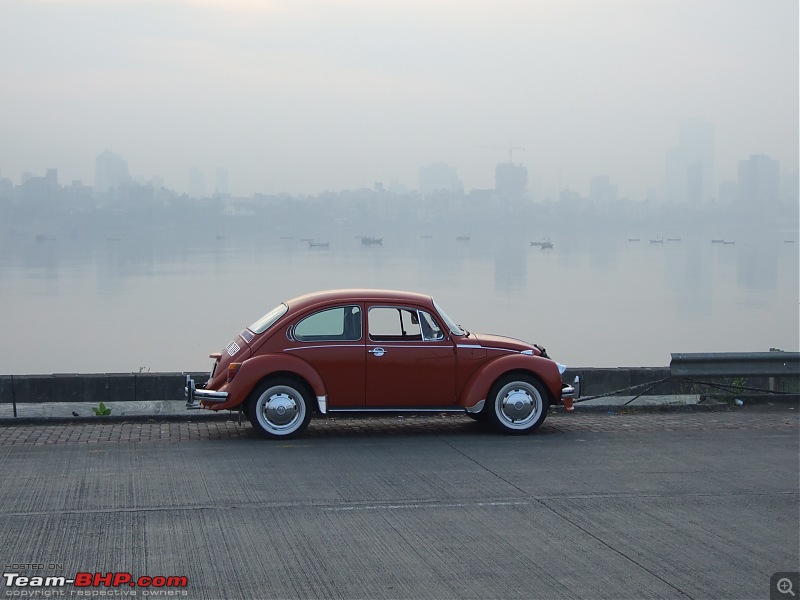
<point x="198" y="397"/>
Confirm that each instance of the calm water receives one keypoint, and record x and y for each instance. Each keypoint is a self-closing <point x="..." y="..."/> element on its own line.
<point x="124" y="305"/>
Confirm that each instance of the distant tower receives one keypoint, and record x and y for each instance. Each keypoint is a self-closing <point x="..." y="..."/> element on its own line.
<point x="759" y="183"/>
<point x="690" y="167"/>
<point x="111" y="171"/>
<point x="511" y="180"/>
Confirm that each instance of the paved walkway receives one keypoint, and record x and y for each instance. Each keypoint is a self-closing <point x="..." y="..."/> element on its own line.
<point x="444" y="424"/>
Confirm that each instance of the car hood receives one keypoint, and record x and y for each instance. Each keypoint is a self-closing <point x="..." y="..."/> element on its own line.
<point x="488" y="340"/>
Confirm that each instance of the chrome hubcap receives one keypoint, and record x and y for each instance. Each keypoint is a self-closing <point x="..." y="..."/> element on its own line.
<point x="519" y="404"/>
<point x="280" y="410"/>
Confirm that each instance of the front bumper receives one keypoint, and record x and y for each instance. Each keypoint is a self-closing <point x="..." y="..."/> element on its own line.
<point x="197" y="397"/>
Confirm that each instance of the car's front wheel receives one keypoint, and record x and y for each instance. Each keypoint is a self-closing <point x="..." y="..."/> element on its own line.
<point x="279" y="408"/>
<point x="517" y="404"/>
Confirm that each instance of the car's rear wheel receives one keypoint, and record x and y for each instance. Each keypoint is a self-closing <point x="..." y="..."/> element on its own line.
<point x="279" y="408"/>
<point x="517" y="404"/>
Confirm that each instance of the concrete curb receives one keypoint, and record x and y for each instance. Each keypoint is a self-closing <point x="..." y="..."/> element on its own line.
<point x="197" y="416"/>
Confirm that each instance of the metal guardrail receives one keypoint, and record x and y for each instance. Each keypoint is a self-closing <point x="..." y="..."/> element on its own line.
<point x="736" y="364"/>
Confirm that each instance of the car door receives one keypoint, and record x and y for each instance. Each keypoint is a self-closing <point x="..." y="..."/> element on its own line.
<point x="410" y="360"/>
<point x="331" y="340"/>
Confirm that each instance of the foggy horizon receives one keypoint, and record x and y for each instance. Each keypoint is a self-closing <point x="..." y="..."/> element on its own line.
<point x="302" y="98"/>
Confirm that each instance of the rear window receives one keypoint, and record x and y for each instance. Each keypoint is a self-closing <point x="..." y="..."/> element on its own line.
<point x="268" y="320"/>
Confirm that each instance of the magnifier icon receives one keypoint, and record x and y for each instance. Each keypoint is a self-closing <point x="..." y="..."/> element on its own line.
<point x="784" y="586"/>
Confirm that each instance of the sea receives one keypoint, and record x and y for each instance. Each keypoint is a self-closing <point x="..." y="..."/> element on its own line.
<point x="130" y="303"/>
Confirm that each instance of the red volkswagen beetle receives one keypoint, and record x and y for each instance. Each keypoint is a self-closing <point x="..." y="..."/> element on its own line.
<point x="376" y="351"/>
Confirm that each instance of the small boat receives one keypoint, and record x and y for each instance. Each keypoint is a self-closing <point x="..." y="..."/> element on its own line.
<point x="634" y="240"/>
<point x="673" y="239"/>
<point x="727" y="243"/>
<point x="658" y="241"/>
<point x="371" y="241"/>
<point x="463" y="238"/>
<point x="717" y="241"/>
<point x="313" y="244"/>
<point x="544" y="244"/>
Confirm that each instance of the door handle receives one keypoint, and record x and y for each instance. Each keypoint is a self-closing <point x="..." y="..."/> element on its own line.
<point x="377" y="351"/>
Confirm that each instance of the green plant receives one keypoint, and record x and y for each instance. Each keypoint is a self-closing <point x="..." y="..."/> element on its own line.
<point x="739" y="382"/>
<point x="102" y="410"/>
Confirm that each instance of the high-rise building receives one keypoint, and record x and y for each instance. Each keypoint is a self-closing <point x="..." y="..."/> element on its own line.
<point x="759" y="183"/>
<point x="511" y="180"/>
<point x="111" y="171"/>
<point x="690" y="166"/>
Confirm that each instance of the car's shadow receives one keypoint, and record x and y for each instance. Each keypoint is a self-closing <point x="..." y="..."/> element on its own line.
<point x="327" y="426"/>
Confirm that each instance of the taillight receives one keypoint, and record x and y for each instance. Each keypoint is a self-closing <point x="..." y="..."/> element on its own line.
<point x="233" y="368"/>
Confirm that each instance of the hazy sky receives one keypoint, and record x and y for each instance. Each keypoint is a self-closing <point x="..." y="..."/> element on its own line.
<point x="306" y="95"/>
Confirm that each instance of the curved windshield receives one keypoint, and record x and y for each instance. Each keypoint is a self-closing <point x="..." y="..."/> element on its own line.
<point x="268" y="320"/>
<point x="451" y="325"/>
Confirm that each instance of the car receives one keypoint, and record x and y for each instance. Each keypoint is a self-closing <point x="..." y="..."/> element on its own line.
<point x="376" y="351"/>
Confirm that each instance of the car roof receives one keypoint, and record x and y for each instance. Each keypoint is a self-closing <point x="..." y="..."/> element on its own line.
<point x="357" y="295"/>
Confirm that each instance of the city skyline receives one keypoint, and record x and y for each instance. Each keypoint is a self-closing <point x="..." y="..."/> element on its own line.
<point x="755" y="174"/>
<point x="338" y="94"/>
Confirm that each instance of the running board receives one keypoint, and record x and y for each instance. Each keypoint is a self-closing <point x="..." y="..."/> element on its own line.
<point x="405" y="409"/>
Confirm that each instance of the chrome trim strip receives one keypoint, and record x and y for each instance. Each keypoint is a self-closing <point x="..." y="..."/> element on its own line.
<point x="527" y="352"/>
<point x="322" y="402"/>
<point x="478" y="346"/>
<point x="324" y="346"/>
<point x="438" y="409"/>
<point x="477" y="407"/>
<point x="568" y="391"/>
<point x="399" y="345"/>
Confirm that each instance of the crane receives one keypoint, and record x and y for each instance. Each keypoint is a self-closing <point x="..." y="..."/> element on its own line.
<point x="510" y="149"/>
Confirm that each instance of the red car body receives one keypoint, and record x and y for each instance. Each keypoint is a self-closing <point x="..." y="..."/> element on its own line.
<point x="375" y="351"/>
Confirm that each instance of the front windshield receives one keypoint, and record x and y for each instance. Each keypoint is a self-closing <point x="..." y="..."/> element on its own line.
<point x="268" y="319"/>
<point x="451" y="325"/>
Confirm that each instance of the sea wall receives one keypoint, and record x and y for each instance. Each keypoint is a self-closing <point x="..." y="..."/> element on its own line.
<point x="148" y="387"/>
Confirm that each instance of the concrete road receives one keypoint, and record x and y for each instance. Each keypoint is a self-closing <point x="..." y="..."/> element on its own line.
<point x="624" y="506"/>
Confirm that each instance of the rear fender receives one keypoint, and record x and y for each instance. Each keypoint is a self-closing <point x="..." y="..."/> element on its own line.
<point x="258" y="368"/>
<point x="480" y="383"/>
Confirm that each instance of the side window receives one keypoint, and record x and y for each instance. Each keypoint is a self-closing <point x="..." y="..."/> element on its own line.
<point x="339" y="324"/>
<point x="395" y="324"/>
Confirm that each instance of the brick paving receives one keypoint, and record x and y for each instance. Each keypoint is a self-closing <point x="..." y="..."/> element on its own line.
<point x="344" y="426"/>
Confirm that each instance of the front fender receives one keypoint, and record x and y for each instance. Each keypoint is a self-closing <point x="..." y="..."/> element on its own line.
<point x="259" y="367"/>
<point x="481" y="381"/>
